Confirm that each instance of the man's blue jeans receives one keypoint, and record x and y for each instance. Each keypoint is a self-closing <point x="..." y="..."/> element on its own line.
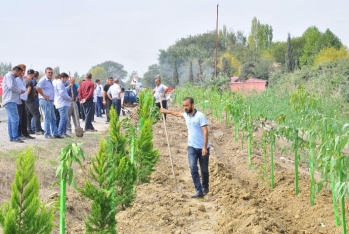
<point x="117" y="106"/>
<point x="99" y="106"/>
<point x="50" y="117"/>
<point x="194" y="155"/>
<point x="13" y="120"/>
<point x="63" y="114"/>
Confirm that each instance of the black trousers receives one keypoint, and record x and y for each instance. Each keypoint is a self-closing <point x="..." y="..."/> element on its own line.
<point x="32" y="112"/>
<point x="22" y="126"/>
<point x="88" y="109"/>
<point x="164" y="104"/>
<point x="107" y="108"/>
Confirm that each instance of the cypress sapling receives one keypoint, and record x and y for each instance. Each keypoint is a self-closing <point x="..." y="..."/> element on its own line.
<point x="102" y="217"/>
<point x="25" y="213"/>
<point x="145" y="155"/>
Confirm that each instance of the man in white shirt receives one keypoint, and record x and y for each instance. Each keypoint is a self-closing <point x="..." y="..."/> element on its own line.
<point x="62" y="102"/>
<point x="99" y="101"/>
<point x="22" y="127"/>
<point x="112" y="93"/>
<point x="160" y="90"/>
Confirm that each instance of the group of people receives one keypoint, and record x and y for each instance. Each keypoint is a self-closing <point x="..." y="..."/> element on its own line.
<point x="57" y="100"/>
<point x="60" y="98"/>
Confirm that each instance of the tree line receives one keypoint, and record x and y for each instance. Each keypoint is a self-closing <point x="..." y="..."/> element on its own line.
<point x="191" y="58"/>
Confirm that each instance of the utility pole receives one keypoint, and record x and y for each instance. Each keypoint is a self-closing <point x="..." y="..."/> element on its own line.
<point x="215" y="65"/>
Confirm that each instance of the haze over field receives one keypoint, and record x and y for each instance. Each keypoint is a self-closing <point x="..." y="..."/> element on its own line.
<point x="76" y="35"/>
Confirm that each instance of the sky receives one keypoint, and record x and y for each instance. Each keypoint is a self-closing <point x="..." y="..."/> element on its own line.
<point x="76" y="35"/>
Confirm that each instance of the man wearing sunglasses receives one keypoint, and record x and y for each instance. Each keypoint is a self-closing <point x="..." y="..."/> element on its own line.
<point x="46" y="97"/>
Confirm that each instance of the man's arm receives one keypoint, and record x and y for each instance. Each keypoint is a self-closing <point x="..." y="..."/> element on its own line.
<point x="174" y="113"/>
<point x="109" y="94"/>
<point x="165" y="91"/>
<point x="204" y="149"/>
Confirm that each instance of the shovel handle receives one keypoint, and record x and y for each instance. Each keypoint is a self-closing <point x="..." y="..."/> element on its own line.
<point x="168" y="144"/>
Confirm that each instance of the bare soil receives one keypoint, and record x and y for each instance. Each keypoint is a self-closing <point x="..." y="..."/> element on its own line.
<point x="240" y="198"/>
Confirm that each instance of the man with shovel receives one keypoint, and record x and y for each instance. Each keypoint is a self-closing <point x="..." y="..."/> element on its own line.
<point x="198" y="145"/>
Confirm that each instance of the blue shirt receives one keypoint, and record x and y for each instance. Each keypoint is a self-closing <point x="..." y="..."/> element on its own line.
<point x="195" y="133"/>
<point x="61" y="96"/>
<point x="75" y="92"/>
<point x="47" y="88"/>
<point x="11" y="91"/>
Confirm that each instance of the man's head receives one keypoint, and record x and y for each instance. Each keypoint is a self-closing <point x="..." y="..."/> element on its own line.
<point x="157" y="81"/>
<point x="110" y="80"/>
<point x="188" y="104"/>
<point x="122" y="90"/>
<point x="116" y="80"/>
<point x="48" y="72"/>
<point x="64" y="77"/>
<point x="72" y="80"/>
<point x="98" y="81"/>
<point x="36" y="75"/>
<point x="88" y="76"/>
<point x="57" y="76"/>
<point x="24" y="67"/>
<point x="30" y="74"/>
<point x="17" y="70"/>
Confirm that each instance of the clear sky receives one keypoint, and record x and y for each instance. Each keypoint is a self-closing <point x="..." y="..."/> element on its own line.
<point x="78" y="34"/>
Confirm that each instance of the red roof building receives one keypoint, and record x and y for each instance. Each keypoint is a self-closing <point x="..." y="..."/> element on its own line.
<point x="248" y="85"/>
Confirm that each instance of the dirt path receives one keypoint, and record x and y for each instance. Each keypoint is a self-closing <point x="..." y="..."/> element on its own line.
<point x="240" y="200"/>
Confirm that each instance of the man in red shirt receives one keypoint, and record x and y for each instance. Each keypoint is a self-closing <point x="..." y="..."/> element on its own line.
<point x="86" y="99"/>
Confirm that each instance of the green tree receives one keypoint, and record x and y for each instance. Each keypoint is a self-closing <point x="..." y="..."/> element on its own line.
<point x="175" y="79"/>
<point x="253" y="37"/>
<point x="145" y="155"/>
<point x="76" y="75"/>
<point x="289" y="59"/>
<point x="56" y="70"/>
<point x="191" y="74"/>
<point x="98" y="73"/>
<point x="25" y="213"/>
<point x="149" y="76"/>
<point x="100" y="191"/>
<point x="330" y="54"/>
<point x="4" y="68"/>
<point x="113" y="69"/>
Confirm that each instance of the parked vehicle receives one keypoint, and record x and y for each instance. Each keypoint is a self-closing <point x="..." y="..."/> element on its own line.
<point x="130" y="98"/>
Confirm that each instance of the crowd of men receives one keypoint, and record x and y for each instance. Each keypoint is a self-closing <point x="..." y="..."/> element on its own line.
<point x="57" y="101"/>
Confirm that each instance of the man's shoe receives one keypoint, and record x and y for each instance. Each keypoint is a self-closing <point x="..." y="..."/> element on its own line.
<point x="49" y="137"/>
<point x="205" y="191"/>
<point x="198" y="195"/>
<point x="29" y="137"/>
<point x="66" y="135"/>
<point x="31" y="132"/>
<point x="39" y="133"/>
<point x="59" y="137"/>
<point x="18" y="141"/>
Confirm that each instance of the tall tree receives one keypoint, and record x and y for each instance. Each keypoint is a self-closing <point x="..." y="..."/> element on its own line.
<point x="149" y="76"/>
<point x="113" y="69"/>
<point x="56" y="70"/>
<point x="191" y="74"/>
<point x="4" y="68"/>
<point x="76" y="75"/>
<point x="253" y="37"/>
<point x="98" y="73"/>
<point x="289" y="59"/>
<point x="175" y="79"/>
